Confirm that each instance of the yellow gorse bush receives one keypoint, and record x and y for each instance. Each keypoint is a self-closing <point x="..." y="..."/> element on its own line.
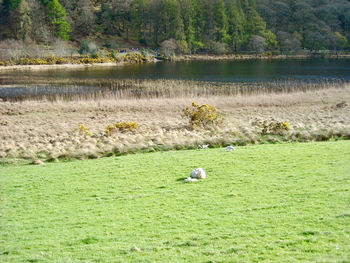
<point x="122" y="127"/>
<point x="135" y="58"/>
<point x="88" y="60"/>
<point x="202" y="115"/>
<point x="274" y="127"/>
<point x="105" y="57"/>
<point x="83" y="129"/>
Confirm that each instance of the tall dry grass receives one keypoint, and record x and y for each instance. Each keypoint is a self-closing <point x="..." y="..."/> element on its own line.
<point x="116" y="89"/>
<point x="48" y="130"/>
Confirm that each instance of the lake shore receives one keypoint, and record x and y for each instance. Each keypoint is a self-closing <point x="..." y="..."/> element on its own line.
<point x="176" y="58"/>
<point x="59" y="67"/>
<point x="251" y="57"/>
<point x="50" y="130"/>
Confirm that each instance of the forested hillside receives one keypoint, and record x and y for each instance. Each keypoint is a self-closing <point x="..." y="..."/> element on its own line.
<point x="311" y="24"/>
<point x="184" y="26"/>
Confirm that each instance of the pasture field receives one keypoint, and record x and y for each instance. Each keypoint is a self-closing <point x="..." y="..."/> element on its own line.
<point x="262" y="203"/>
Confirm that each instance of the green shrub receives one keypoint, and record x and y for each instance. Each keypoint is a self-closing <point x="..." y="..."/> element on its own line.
<point x="112" y="54"/>
<point x="94" y="55"/>
<point x="88" y="47"/>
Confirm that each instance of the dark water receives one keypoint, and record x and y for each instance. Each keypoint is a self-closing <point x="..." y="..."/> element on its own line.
<point x="248" y="71"/>
<point x="223" y="71"/>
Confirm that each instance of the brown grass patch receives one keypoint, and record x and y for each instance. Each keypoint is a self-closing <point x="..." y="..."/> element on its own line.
<point x="48" y="130"/>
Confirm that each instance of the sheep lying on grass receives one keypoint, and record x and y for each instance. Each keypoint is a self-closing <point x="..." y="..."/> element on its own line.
<point x="196" y="174"/>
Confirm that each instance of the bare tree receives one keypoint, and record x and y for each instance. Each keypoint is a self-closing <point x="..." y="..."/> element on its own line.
<point x="257" y="44"/>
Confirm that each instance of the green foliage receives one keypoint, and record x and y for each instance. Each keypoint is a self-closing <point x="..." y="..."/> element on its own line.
<point x="194" y="24"/>
<point x="341" y="41"/>
<point x="97" y="56"/>
<point x="221" y="23"/>
<point x="22" y="19"/>
<point x="57" y="16"/>
<point x="316" y="22"/>
<point x="202" y="116"/>
<point x="88" y="47"/>
<point x="11" y="4"/>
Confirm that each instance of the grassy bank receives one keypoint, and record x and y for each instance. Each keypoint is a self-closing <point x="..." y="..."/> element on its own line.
<point x="268" y="55"/>
<point x="135" y="57"/>
<point x="266" y="203"/>
<point x="50" y="131"/>
<point x="107" y="58"/>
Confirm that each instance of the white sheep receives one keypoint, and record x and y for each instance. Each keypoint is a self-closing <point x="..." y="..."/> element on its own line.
<point x="204" y="146"/>
<point x="189" y="179"/>
<point x="198" y="173"/>
<point x="230" y="148"/>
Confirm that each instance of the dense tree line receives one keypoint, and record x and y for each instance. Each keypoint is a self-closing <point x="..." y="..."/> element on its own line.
<point x="183" y="25"/>
<point x="310" y="24"/>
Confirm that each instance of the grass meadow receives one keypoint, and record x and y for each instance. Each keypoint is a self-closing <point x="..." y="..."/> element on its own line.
<point x="261" y="203"/>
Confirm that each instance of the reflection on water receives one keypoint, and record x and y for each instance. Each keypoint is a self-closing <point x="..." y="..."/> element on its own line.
<point x="247" y="71"/>
<point x="224" y="71"/>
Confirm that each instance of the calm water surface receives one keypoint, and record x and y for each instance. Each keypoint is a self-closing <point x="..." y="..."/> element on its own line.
<point x="223" y="71"/>
<point x="254" y="71"/>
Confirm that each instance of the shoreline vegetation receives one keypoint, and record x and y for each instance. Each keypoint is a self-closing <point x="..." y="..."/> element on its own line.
<point x="91" y="126"/>
<point x="112" y="59"/>
<point x="73" y="89"/>
<point x="103" y="58"/>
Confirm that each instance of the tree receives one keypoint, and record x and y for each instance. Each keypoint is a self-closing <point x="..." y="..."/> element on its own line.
<point x="288" y="42"/>
<point x="138" y="19"/>
<point x="236" y="29"/>
<point x="257" y="44"/>
<point x="341" y="41"/>
<point x="11" y="4"/>
<point x="169" y="46"/>
<point x="23" y="20"/>
<point x="220" y="23"/>
<point x="83" y="18"/>
<point x="316" y="21"/>
<point x="57" y="18"/>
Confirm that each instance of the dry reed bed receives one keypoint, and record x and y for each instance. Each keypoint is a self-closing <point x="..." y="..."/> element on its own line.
<point x="111" y="89"/>
<point x="49" y="130"/>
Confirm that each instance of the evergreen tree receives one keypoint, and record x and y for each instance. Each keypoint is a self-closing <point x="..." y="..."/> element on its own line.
<point x="139" y="12"/>
<point x="236" y="28"/>
<point x="23" y="20"/>
<point x="187" y="19"/>
<point x="57" y="18"/>
<point x="221" y="23"/>
<point x="197" y="24"/>
<point x="10" y="4"/>
<point x="192" y="25"/>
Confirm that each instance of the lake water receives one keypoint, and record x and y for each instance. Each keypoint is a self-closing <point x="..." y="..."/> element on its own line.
<point x="247" y="71"/>
<point x="223" y="71"/>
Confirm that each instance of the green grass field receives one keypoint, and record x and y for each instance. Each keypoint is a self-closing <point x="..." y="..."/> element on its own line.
<point x="273" y="203"/>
